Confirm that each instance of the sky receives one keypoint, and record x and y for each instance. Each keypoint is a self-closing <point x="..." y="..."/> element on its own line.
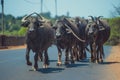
<point x="82" y="8"/>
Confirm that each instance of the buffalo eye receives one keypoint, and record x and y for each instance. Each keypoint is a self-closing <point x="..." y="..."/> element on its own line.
<point x="25" y="24"/>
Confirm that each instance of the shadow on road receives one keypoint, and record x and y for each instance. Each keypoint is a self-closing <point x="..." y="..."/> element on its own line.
<point x="53" y="60"/>
<point x="50" y="70"/>
<point x="107" y="63"/>
<point x="85" y="60"/>
<point x="76" y="65"/>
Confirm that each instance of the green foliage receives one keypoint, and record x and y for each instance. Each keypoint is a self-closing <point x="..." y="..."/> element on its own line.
<point x="115" y="30"/>
<point x="13" y="33"/>
<point x="22" y="31"/>
<point x="13" y="26"/>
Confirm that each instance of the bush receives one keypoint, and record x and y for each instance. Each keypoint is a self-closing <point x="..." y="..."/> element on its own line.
<point x="115" y="30"/>
<point x="22" y="31"/>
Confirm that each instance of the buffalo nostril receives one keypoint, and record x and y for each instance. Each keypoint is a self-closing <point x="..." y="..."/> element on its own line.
<point x="30" y="32"/>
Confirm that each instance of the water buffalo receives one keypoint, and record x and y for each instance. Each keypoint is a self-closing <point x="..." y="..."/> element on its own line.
<point x="66" y="32"/>
<point x="64" y="41"/>
<point x="40" y="36"/>
<point x="81" y="24"/>
<point x="98" y="32"/>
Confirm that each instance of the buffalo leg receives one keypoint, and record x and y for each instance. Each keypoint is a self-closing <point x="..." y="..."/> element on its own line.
<point x="83" y="53"/>
<point x="72" y="57"/>
<point x="27" y="57"/>
<point x="66" y="57"/>
<point x="36" y="61"/>
<point x="94" y="51"/>
<point x="75" y="53"/>
<point x="46" y="59"/>
<point x="101" y="54"/>
<point x="98" y="53"/>
<point x="92" y="54"/>
<point x="40" y="56"/>
<point x="59" y="63"/>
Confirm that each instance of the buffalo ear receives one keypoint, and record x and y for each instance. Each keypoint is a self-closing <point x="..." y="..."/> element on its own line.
<point x="25" y="24"/>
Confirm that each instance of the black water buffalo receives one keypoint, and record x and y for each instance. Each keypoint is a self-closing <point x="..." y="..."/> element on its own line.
<point x="64" y="41"/>
<point x="81" y="24"/>
<point x="98" y="32"/>
<point x="40" y="36"/>
<point x="66" y="32"/>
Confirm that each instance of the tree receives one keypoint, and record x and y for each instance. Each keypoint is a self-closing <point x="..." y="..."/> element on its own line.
<point x="115" y="25"/>
<point x="116" y="10"/>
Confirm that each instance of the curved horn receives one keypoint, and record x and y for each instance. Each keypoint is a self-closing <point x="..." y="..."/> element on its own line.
<point x="74" y="33"/>
<point x="92" y="18"/>
<point x="68" y="24"/>
<point x="24" y="18"/>
<point x="99" y="17"/>
<point x="38" y="15"/>
<point x="100" y="22"/>
<point x="41" y="18"/>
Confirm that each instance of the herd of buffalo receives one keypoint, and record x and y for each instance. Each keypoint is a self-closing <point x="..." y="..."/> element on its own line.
<point x="73" y="35"/>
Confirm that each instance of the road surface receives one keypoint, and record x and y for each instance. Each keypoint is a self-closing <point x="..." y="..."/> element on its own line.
<point x="13" y="67"/>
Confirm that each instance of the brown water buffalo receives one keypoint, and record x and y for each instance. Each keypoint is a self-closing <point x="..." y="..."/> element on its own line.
<point x="98" y="32"/>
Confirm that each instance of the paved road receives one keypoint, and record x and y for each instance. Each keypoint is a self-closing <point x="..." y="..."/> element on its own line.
<point x="13" y="67"/>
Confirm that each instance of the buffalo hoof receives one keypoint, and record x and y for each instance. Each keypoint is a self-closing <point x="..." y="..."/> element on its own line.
<point x="90" y="60"/>
<point x="40" y="59"/>
<point x="29" y="63"/>
<point x="77" y="59"/>
<point x="59" y="63"/>
<point x="35" y="68"/>
<point x="93" y="60"/>
<point x="72" y="62"/>
<point x="66" y="63"/>
<point x="97" y="61"/>
<point x="45" y="66"/>
<point x="100" y="61"/>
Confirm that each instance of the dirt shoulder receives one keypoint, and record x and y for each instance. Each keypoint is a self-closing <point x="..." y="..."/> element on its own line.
<point x="114" y="59"/>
